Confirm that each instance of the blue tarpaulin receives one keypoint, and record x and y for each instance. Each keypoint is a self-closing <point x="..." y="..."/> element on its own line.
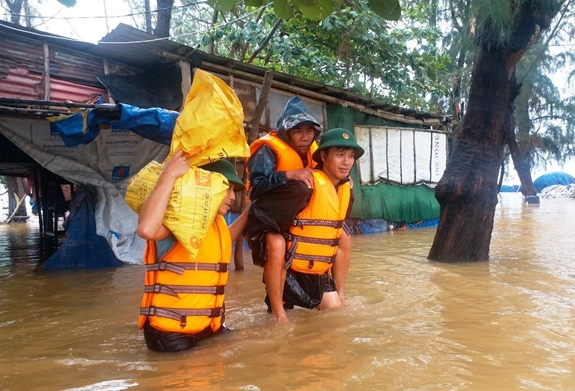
<point x="83" y="127"/>
<point x="154" y="124"/>
<point x="83" y="247"/>
<point x="552" y="178"/>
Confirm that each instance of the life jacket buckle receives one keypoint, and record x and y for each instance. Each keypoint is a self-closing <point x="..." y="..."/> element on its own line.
<point x="310" y="266"/>
<point x="163" y="265"/>
<point x="298" y="223"/>
<point x="183" y="321"/>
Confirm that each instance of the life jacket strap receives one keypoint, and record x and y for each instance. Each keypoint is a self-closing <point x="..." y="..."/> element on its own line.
<point x="173" y="290"/>
<point x="314" y="258"/>
<point x="305" y="239"/>
<point x="181" y="267"/>
<point x="317" y="222"/>
<point x="180" y="314"/>
<point x="291" y="254"/>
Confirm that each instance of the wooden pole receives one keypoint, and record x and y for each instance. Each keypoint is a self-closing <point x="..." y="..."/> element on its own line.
<point x="16" y="209"/>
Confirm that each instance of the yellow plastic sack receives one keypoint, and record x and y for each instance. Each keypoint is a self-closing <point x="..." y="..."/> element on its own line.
<point x="193" y="203"/>
<point x="211" y="125"/>
<point x="209" y="128"/>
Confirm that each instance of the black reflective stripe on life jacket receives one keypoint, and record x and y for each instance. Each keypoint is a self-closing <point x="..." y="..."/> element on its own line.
<point x="316" y="222"/>
<point x="291" y="254"/>
<point x="181" y="267"/>
<point x="181" y="314"/>
<point x="173" y="290"/>
<point x="305" y="239"/>
<point x="312" y="259"/>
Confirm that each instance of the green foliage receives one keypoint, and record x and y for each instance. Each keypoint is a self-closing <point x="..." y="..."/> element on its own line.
<point x="352" y="48"/>
<point x="312" y="9"/>
<point x="222" y="5"/>
<point x="283" y="9"/>
<point x="493" y="17"/>
<point x="388" y="10"/>
<point x="545" y="121"/>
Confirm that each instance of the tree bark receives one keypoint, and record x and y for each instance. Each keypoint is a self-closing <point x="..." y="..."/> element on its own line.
<point x="521" y="160"/>
<point x="148" y="16"/>
<point x="467" y="192"/>
<point x="164" y="18"/>
<point x="15" y="7"/>
<point x="522" y="167"/>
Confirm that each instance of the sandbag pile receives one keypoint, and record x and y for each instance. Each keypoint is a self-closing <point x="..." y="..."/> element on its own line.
<point x="558" y="191"/>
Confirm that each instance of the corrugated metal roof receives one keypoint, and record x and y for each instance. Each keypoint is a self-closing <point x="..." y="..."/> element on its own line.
<point x="61" y="90"/>
<point x="130" y="45"/>
<point x="21" y="83"/>
<point x="24" y="49"/>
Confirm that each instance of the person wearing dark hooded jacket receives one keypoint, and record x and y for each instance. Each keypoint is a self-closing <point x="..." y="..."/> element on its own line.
<point x="281" y="180"/>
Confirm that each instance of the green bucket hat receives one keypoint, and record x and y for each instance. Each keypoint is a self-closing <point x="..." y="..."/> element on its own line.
<point x="337" y="137"/>
<point x="228" y="170"/>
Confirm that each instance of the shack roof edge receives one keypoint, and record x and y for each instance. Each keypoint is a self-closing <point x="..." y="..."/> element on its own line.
<point x="136" y="47"/>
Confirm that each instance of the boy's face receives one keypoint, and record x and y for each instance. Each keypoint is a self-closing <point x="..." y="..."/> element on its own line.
<point x="301" y="137"/>
<point x="338" y="161"/>
<point x="229" y="199"/>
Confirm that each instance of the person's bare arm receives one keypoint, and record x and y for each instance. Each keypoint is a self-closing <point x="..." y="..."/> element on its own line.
<point x="151" y="217"/>
<point x="239" y="224"/>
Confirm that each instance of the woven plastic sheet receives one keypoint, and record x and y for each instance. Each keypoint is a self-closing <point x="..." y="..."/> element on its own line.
<point x="209" y="128"/>
<point x="409" y="204"/>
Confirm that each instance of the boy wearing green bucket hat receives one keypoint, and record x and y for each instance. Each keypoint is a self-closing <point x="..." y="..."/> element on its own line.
<point x="313" y="272"/>
<point x="183" y="299"/>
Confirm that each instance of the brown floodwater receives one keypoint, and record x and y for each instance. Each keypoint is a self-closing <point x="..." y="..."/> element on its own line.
<point x="506" y="324"/>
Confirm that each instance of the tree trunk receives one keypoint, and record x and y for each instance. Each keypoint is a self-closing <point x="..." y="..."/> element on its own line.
<point x="521" y="160"/>
<point x="467" y="192"/>
<point x="212" y="45"/>
<point x="164" y="17"/>
<point x="15" y="7"/>
<point x="148" y="16"/>
<point x="521" y="163"/>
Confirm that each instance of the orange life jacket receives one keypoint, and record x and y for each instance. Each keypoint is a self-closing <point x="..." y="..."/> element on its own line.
<point x="313" y="239"/>
<point x="287" y="157"/>
<point x="184" y="296"/>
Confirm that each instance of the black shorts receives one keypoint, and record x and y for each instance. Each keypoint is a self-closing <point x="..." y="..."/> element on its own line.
<point x="165" y="341"/>
<point x="306" y="290"/>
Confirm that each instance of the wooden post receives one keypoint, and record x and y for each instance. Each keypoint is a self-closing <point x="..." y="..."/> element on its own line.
<point x="47" y="92"/>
